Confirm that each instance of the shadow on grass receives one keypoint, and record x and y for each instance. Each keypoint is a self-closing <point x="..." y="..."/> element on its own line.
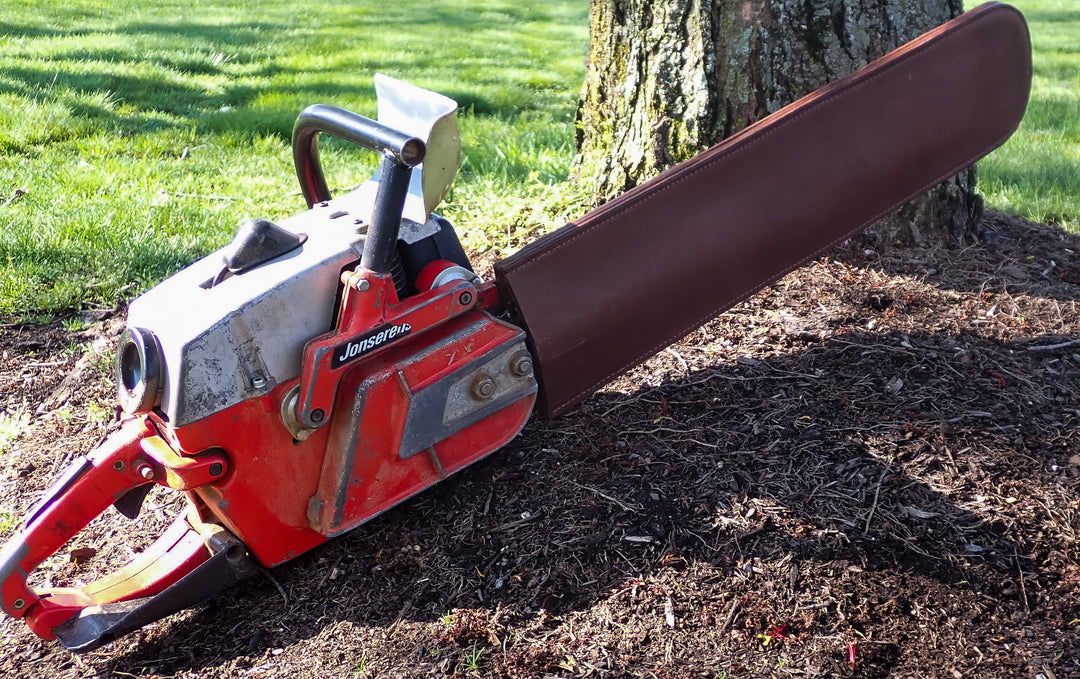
<point x="234" y="36"/>
<point x="1052" y="16"/>
<point x="147" y="93"/>
<point x="24" y="31"/>
<point x="193" y="48"/>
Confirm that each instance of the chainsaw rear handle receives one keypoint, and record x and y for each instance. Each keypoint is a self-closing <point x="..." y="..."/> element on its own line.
<point x="401" y="152"/>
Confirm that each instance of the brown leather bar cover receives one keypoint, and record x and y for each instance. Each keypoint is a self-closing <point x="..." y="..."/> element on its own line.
<point x="607" y="291"/>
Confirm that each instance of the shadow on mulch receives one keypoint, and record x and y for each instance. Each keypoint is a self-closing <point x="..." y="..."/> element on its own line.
<point x="807" y="474"/>
<point x="1011" y="254"/>
<point x="859" y="472"/>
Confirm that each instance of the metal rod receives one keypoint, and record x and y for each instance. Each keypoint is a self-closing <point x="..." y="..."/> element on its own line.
<point x="382" y="235"/>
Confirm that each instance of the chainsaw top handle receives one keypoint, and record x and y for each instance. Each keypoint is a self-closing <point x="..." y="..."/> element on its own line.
<point x="401" y="152"/>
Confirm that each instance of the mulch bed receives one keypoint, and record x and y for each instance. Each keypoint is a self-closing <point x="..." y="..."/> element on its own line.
<point x="870" y="469"/>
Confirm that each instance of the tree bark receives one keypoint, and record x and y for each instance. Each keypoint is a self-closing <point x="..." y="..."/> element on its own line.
<point x="668" y="78"/>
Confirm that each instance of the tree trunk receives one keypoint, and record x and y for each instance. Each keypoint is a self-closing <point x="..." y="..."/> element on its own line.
<point x="668" y="78"/>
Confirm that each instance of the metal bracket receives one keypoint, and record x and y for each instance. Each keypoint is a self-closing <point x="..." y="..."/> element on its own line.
<point x="95" y="626"/>
<point x="465" y="397"/>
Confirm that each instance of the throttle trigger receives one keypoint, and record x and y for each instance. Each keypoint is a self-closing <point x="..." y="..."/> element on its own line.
<point x="130" y="503"/>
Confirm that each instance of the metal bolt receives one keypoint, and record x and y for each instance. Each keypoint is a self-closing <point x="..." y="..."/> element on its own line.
<point x="302" y="435"/>
<point x="362" y="285"/>
<point x="258" y="382"/>
<point x="317" y="415"/>
<point x="18" y="604"/>
<point x="465" y="298"/>
<point x="483" y="387"/>
<point x="521" y="365"/>
<point x="216" y="469"/>
<point x="146" y="472"/>
<point x="118" y="466"/>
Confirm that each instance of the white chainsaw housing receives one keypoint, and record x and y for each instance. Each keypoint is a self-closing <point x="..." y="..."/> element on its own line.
<point x="225" y="339"/>
<point x="238" y="339"/>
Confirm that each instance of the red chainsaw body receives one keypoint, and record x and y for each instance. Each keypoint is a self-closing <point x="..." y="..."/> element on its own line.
<point x="265" y="492"/>
<point x="404" y="416"/>
<point x="282" y="497"/>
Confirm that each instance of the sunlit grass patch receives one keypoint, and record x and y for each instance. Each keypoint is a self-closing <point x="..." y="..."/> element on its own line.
<point x="12" y="424"/>
<point x="135" y="137"/>
<point x="1036" y="174"/>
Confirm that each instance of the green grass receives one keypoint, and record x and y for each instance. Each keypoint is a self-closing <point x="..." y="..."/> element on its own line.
<point x="471" y="657"/>
<point x="11" y="425"/>
<point x="1036" y="174"/>
<point x="135" y="135"/>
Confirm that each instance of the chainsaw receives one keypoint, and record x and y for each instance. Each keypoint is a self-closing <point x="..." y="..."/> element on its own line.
<point x="318" y="371"/>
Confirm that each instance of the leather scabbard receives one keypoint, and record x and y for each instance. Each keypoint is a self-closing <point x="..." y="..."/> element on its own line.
<point x="614" y="287"/>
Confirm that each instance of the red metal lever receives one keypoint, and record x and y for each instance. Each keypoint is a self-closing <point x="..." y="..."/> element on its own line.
<point x="370" y="320"/>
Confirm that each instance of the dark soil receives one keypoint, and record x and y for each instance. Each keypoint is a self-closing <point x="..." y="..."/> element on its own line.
<point x="870" y="469"/>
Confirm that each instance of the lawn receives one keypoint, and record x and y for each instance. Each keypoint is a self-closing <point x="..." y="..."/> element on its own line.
<point x="134" y="137"/>
<point x="1036" y="174"/>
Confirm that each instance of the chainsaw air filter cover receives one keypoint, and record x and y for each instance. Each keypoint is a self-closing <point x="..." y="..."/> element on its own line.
<point x="138" y="370"/>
